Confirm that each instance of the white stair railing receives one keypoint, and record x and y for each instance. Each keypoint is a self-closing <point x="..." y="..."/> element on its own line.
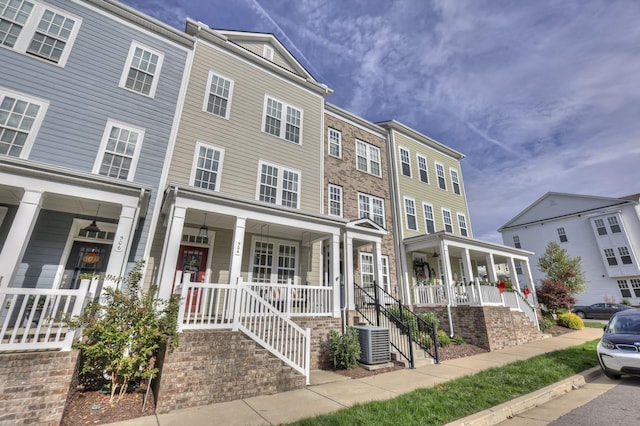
<point x="261" y="321"/>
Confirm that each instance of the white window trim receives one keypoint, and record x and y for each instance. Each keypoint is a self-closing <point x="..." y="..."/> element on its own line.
<point x="444" y="176"/>
<point x="426" y="168"/>
<point x="205" y="102"/>
<point x="466" y="225"/>
<point x="433" y="217"/>
<point x="406" y="215"/>
<point x="127" y="67"/>
<point x="274" y="267"/>
<point x="29" y="30"/>
<point x="368" y="256"/>
<point x="279" y="187"/>
<point x="444" y="223"/>
<point x="369" y="148"/>
<point x="371" y="198"/>
<point x="331" y="185"/>
<point x="385" y="276"/>
<point x="453" y="190"/>
<point x="194" y="166"/>
<point x="103" y="145"/>
<point x="35" y="128"/>
<point x="402" y="163"/>
<point x="329" y="129"/>
<point x="283" y="119"/>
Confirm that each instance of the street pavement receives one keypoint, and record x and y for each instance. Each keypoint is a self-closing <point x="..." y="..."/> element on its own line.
<point x="330" y="392"/>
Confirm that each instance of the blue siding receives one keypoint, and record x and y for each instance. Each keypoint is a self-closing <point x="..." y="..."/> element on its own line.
<point x="84" y="94"/>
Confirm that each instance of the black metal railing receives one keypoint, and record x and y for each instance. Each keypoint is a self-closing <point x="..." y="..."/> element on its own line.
<point x="422" y="332"/>
<point x="369" y="307"/>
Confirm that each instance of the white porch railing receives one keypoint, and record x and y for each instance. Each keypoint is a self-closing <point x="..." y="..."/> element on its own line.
<point x="477" y="294"/>
<point x="239" y="307"/>
<point x="33" y="318"/>
<point x="297" y="300"/>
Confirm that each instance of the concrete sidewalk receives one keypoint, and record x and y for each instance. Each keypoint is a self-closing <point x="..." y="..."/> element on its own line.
<point x="329" y="392"/>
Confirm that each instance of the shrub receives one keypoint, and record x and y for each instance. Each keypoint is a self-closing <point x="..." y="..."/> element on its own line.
<point x="344" y="348"/>
<point x="546" y="323"/>
<point x="443" y="338"/>
<point x="571" y="321"/>
<point x="431" y="318"/>
<point x="123" y="331"/>
<point x="626" y="302"/>
<point x="555" y="295"/>
<point x="459" y="340"/>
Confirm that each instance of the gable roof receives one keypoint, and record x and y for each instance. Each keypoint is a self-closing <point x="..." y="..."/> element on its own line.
<point x="553" y="205"/>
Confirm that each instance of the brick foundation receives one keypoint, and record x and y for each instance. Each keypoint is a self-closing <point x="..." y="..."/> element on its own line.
<point x="34" y="386"/>
<point x="320" y="327"/>
<point x="489" y="327"/>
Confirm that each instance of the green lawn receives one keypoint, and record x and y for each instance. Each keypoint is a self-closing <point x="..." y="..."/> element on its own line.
<point x="591" y="324"/>
<point x="467" y="395"/>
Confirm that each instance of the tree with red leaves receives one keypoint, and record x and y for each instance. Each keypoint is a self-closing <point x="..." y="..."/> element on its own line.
<point x="555" y="295"/>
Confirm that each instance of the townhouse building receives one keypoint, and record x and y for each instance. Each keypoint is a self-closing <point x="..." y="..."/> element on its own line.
<point x="603" y="231"/>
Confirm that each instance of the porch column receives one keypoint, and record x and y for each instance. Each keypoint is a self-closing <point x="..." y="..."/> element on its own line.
<point x="491" y="269"/>
<point x="235" y="266"/>
<point x="348" y="273"/>
<point x="121" y="245"/>
<point x="171" y="250"/>
<point x="19" y="235"/>
<point x="335" y="273"/>
<point x="377" y="264"/>
<point x="532" y="285"/>
<point x="514" y="276"/>
<point x="446" y="273"/>
<point x="466" y="264"/>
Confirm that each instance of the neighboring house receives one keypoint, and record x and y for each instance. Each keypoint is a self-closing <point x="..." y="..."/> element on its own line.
<point x="437" y="255"/>
<point x="87" y="103"/>
<point x="357" y="188"/>
<point x="603" y="231"/>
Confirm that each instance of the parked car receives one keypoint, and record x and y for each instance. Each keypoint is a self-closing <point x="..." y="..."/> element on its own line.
<point x="599" y="310"/>
<point x="619" y="348"/>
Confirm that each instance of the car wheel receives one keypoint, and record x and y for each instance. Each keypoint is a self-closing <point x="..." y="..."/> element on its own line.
<point x="580" y="314"/>
<point x="610" y="373"/>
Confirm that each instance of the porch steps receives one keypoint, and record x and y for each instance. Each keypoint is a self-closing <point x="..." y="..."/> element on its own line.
<point x="420" y="357"/>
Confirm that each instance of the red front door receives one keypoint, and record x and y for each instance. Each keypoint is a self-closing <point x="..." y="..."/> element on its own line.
<point x="193" y="260"/>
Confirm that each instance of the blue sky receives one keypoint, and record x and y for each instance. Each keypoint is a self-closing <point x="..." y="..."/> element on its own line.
<point x="539" y="95"/>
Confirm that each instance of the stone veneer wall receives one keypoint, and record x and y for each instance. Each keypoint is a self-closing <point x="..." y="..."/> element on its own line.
<point x="34" y="386"/>
<point x="489" y="327"/>
<point x="219" y="365"/>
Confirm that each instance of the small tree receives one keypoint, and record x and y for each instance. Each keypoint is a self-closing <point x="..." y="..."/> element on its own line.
<point x="560" y="267"/>
<point x="123" y="331"/>
<point x="555" y="295"/>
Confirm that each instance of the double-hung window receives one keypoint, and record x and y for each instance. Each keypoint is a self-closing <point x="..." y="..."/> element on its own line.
<point x="518" y="266"/>
<point x="335" y="200"/>
<point x="142" y="71"/>
<point x="613" y="224"/>
<point x="119" y="151"/>
<point x="207" y="166"/>
<point x="625" y="256"/>
<point x="37" y="29"/>
<point x="562" y="235"/>
<point x="602" y="230"/>
<point x="462" y="223"/>
<point x="335" y="142"/>
<point x="263" y="267"/>
<point x="368" y="158"/>
<point x="422" y="169"/>
<point x="442" y="183"/>
<point x="405" y="162"/>
<point x="367" y="273"/>
<point x="624" y="288"/>
<point x="516" y="241"/>
<point x="278" y="185"/>
<point x="217" y="99"/>
<point x="20" y="119"/>
<point x="611" y="257"/>
<point x="429" y="220"/>
<point x="410" y="213"/>
<point x="371" y="207"/>
<point x="275" y="112"/>
<point x="446" y="218"/>
<point x="455" y="181"/>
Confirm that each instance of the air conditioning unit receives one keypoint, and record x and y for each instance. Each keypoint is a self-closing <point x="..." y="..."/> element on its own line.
<point x="374" y="344"/>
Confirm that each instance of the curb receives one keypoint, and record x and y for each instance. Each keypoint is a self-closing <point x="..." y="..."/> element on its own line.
<point x="510" y="409"/>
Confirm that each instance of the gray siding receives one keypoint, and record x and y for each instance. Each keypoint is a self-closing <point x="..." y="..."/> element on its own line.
<point x="85" y="94"/>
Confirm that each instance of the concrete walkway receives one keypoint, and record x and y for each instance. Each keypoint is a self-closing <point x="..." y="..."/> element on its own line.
<point x="329" y="392"/>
